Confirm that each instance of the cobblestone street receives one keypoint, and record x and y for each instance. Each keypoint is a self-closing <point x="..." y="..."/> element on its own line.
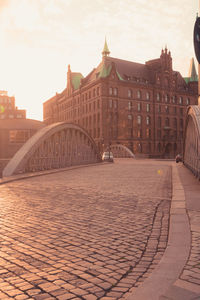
<point x="90" y="233"/>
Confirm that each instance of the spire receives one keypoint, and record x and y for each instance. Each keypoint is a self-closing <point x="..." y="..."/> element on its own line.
<point x="192" y="71"/>
<point x="105" y="51"/>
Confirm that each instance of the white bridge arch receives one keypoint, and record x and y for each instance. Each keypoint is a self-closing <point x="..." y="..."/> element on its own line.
<point x="120" y="150"/>
<point x="55" y="146"/>
<point x="191" y="155"/>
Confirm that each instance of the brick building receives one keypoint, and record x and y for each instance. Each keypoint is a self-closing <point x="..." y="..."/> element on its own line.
<point x="15" y="129"/>
<point x="8" y="110"/>
<point x="141" y="106"/>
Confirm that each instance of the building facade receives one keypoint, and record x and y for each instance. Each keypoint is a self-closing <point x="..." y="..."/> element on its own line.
<point x="8" y="110"/>
<point x="141" y="106"/>
<point x="15" y="129"/>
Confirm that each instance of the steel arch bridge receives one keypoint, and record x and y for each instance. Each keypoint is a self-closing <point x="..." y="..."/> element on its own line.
<point x="120" y="150"/>
<point x="191" y="155"/>
<point x="55" y="146"/>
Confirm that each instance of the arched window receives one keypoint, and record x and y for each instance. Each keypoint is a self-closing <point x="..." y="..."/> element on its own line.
<point x="147" y="95"/>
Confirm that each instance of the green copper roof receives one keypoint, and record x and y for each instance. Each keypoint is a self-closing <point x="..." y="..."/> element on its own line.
<point x="192" y="73"/>
<point x="76" y="80"/>
<point x="105" y="71"/>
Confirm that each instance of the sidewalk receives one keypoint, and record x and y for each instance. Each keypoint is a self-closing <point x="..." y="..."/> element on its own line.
<point x="177" y="276"/>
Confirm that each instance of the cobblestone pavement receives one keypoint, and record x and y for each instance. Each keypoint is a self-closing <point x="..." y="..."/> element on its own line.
<point x="191" y="271"/>
<point x="90" y="233"/>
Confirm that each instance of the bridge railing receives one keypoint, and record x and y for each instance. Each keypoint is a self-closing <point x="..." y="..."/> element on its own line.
<point x="191" y="155"/>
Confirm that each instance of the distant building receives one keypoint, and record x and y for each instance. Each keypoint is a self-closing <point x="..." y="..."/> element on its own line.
<point x="141" y="106"/>
<point x="15" y="129"/>
<point x="8" y="110"/>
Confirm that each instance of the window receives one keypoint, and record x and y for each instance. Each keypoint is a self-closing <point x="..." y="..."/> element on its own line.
<point x="173" y="99"/>
<point x="139" y="133"/>
<point x="175" y="109"/>
<point x="130" y="121"/>
<point x="148" y="107"/>
<point x="159" y="133"/>
<point x="129" y="105"/>
<point x="166" y="98"/>
<point x="110" y="91"/>
<point x="181" y="111"/>
<point x="115" y="91"/>
<point x="18" y="136"/>
<point x="130" y="117"/>
<point x="110" y="103"/>
<point x="148" y="132"/>
<point x="167" y="109"/>
<point x="188" y="101"/>
<point x="180" y="100"/>
<point x="148" y="120"/>
<point x="139" y="94"/>
<point x="129" y="93"/>
<point x="139" y="120"/>
<point x="159" y="108"/>
<point x="158" y="97"/>
<point x="115" y="104"/>
<point x="147" y="95"/>
<point x="139" y="106"/>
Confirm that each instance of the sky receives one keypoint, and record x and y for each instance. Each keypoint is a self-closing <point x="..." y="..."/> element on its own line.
<point x="39" y="38"/>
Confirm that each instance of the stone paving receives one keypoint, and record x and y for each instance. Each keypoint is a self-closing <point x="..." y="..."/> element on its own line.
<point x="90" y="233"/>
<point x="191" y="272"/>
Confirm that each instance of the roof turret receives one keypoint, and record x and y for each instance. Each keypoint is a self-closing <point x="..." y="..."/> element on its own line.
<point x="192" y="71"/>
<point x="105" y="51"/>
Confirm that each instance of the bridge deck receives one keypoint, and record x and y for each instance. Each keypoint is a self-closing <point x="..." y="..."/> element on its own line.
<point x="89" y="233"/>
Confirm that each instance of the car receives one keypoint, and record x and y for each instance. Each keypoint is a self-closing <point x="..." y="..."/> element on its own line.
<point x="107" y="156"/>
<point x="178" y="158"/>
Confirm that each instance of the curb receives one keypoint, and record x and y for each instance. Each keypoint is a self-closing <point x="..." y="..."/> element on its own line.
<point x="177" y="252"/>
<point x="42" y="173"/>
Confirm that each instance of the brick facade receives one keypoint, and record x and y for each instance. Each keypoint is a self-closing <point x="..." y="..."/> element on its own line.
<point x="141" y="106"/>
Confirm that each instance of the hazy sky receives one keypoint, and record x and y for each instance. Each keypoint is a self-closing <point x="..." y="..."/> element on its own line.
<point x="39" y="38"/>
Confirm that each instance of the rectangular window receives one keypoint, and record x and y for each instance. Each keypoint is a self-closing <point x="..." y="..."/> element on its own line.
<point x="19" y="136"/>
<point x="139" y="106"/>
<point x="148" y="107"/>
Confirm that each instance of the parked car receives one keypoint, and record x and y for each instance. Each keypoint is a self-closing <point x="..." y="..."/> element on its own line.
<point x="107" y="156"/>
<point x="178" y="158"/>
